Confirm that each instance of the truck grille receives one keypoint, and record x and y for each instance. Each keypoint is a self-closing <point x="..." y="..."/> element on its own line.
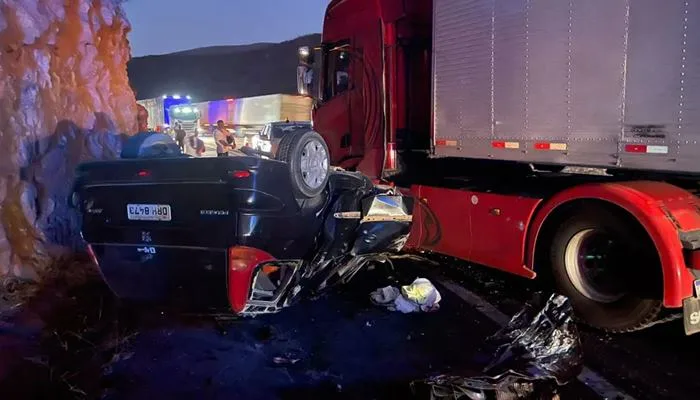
<point x="189" y="127"/>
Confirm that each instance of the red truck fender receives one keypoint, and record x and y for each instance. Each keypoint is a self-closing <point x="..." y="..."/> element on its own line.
<point x="663" y="210"/>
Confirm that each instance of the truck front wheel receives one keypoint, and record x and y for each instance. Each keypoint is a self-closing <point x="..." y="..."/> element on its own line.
<point x="608" y="266"/>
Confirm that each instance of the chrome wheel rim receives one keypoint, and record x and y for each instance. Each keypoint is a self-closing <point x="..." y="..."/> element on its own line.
<point x="314" y="164"/>
<point x="592" y="260"/>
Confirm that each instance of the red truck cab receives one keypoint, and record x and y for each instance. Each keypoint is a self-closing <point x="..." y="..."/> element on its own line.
<point x="373" y="59"/>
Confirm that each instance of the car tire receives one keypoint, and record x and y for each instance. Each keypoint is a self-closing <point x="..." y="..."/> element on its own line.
<point x="631" y="296"/>
<point x="309" y="162"/>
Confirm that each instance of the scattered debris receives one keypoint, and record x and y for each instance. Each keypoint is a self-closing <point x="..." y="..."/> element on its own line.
<point x="421" y="295"/>
<point x="288" y="358"/>
<point x="285" y="361"/>
<point x="536" y="352"/>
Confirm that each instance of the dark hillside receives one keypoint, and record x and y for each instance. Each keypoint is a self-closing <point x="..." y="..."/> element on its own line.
<point x="219" y="72"/>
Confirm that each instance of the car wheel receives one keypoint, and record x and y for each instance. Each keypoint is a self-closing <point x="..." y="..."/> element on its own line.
<point x="609" y="270"/>
<point x="309" y="162"/>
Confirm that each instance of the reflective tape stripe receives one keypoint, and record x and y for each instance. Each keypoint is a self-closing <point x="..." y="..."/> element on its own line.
<point x="657" y="149"/>
<point x="550" y="146"/>
<point x="505" y="145"/>
<point x="557" y="146"/>
<point x="648" y="149"/>
<point x="444" y="142"/>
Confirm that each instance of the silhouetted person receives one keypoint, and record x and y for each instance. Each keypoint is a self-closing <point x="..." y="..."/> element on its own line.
<point x="224" y="140"/>
<point x="180" y="136"/>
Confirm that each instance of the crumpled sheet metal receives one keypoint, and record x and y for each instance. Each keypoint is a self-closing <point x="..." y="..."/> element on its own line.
<point x="541" y="341"/>
<point x="362" y="224"/>
<point x="539" y="350"/>
<point x="351" y="240"/>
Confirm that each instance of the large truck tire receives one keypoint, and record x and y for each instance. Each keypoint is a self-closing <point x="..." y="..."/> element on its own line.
<point x="608" y="267"/>
<point x="309" y="162"/>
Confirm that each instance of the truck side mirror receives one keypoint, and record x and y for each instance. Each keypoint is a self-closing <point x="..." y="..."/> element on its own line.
<point x="305" y="80"/>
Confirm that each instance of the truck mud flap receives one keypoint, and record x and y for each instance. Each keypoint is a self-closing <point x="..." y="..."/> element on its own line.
<point x="691" y="311"/>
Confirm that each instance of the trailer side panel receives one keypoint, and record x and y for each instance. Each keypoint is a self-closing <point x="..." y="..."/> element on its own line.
<point x="602" y="83"/>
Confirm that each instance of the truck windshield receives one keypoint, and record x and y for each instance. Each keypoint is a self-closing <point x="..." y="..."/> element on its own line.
<point x="184" y="113"/>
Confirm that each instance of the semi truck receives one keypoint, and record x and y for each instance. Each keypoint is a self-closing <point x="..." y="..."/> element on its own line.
<point x="255" y="112"/>
<point x="496" y="113"/>
<point x="248" y="116"/>
<point x="165" y="111"/>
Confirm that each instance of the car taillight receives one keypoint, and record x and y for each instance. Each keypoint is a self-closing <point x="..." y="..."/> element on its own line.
<point x="143" y="173"/>
<point x="241" y="258"/>
<point x="241" y="262"/>
<point x="240" y="174"/>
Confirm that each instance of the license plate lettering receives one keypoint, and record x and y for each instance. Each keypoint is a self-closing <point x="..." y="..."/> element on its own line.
<point x="691" y="315"/>
<point x="148" y="212"/>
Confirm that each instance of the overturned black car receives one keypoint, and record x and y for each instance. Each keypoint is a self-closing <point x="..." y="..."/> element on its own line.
<point x="242" y="233"/>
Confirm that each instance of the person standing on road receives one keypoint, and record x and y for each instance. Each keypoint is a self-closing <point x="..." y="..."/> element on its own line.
<point x="194" y="146"/>
<point x="224" y="144"/>
<point x="180" y="136"/>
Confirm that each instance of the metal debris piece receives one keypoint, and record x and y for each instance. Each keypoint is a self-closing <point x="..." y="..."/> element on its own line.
<point x="538" y="351"/>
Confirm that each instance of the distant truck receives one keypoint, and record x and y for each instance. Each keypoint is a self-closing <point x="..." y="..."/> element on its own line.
<point x="186" y="117"/>
<point x="252" y="113"/>
<point x="164" y="111"/>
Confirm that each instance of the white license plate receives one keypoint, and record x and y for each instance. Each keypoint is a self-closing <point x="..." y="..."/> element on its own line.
<point x="148" y="212"/>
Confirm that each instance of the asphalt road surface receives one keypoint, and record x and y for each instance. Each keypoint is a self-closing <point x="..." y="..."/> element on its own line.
<point x="657" y="363"/>
<point x="337" y="346"/>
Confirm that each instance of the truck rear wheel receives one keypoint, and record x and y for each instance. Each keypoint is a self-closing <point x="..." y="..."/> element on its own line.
<point x="607" y="265"/>
<point x="309" y="162"/>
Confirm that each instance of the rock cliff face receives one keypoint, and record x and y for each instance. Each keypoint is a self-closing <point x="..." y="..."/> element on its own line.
<point x="64" y="98"/>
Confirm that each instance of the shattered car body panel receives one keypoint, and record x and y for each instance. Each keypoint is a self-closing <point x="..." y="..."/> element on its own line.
<point x="538" y="351"/>
<point x="362" y="224"/>
<point x="235" y="238"/>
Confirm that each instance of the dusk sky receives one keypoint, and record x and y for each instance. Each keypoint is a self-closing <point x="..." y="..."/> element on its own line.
<point x="165" y="26"/>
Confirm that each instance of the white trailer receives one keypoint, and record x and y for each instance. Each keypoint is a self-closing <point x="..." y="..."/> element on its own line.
<point x="598" y="83"/>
